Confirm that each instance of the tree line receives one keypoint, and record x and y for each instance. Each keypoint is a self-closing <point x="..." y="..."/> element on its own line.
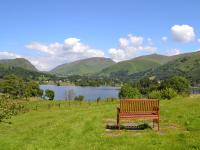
<point x="153" y="88"/>
<point x="17" y="87"/>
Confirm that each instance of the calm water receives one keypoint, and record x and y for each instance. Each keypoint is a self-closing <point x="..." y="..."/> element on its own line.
<point x="195" y="90"/>
<point x="89" y="93"/>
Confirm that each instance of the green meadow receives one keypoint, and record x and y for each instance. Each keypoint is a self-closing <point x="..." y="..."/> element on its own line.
<point x="51" y="125"/>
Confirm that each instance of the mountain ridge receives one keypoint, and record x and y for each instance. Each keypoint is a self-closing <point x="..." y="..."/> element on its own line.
<point x="83" y="67"/>
<point x="148" y="65"/>
<point x="18" y="62"/>
<point x="134" y="65"/>
<point x="188" y="66"/>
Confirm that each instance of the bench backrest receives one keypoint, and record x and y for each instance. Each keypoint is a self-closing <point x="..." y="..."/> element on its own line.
<point x="139" y="105"/>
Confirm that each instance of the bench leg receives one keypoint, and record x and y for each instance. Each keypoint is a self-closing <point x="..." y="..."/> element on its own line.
<point x="157" y="122"/>
<point x="118" y="123"/>
<point x="153" y="123"/>
<point x="118" y="118"/>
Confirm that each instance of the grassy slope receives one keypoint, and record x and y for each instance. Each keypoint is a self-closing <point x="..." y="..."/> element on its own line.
<point x="188" y="66"/>
<point x="18" y="62"/>
<point x="141" y="64"/>
<point x="83" y="127"/>
<point x="132" y="66"/>
<point x="138" y="64"/>
<point x="83" y="67"/>
<point x="24" y="73"/>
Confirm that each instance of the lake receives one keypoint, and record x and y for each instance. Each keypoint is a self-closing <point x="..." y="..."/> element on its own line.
<point x="89" y="93"/>
<point x="195" y="90"/>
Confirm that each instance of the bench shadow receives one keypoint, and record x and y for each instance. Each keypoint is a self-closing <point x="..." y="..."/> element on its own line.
<point x="7" y="122"/>
<point x="128" y="127"/>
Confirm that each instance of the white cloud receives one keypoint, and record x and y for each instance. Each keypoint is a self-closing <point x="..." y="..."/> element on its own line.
<point x="198" y="41"/>
<point x="164" y="39"/>
<point x="123" y="42"/>
<point x="72" y="41"/>
<point x="135" y="40"/>
<point x="117" y="54"/>
<point x="130" y="47"/>
<point x="9" y="55"/>
<point x="174" y="51"/>
<point x="183" y="33"/>
<point x="58" y="53"/>
<point x="46" y="63"/>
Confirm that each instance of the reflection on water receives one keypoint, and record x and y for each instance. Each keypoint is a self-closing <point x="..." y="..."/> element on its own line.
<point x="195" y="90"/>
<point x="90" y="93"/>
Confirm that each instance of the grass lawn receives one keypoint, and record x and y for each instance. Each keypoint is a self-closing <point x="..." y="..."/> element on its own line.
<point x="83" y="126"/>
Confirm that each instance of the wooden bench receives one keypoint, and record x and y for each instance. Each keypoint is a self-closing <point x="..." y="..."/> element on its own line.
<point x="135" y="109"/>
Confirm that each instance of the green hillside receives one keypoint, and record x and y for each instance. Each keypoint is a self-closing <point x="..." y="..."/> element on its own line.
<point x="136" y="65"/>
<point x="18" y="62"/>
<point x="182" y="65"/>
<point x="83" y="67"/>
<point x="188" y="66"/>
<point x="24" y="73"/>
<point x="22" y="68"/>
<point x="106" y="67"/>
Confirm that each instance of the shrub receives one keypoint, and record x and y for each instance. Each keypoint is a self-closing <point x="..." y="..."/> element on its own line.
<point x="168" y="93"/>
<point x="155" y="94"/>
<point x="79" y="98"/>
<point x="98" y="99"/>
<point x="49" y="94"/>
<point x="40" y="92"/>
<point x="8" y="107"/>
<point x="128" y="91"/>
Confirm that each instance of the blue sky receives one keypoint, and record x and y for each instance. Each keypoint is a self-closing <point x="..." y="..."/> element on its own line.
<point x="52" y="32"/>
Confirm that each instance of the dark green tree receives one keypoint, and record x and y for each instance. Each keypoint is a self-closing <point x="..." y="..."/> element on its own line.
<point x="146" y="85"/>
<point x="17" y="87"/>
<point x="34" y="89"/>
<point x="13" y="86"/>
<point x="49" y="94"/>
<point x="179" y="84"/>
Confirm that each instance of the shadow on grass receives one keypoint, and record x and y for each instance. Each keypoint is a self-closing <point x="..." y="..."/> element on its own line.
<point x="128" y="127"/>
<point x="3" y="121"/>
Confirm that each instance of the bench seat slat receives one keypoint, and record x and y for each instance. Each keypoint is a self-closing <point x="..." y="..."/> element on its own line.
<point x="139" y="112"/>
<point x="140" y="117"/>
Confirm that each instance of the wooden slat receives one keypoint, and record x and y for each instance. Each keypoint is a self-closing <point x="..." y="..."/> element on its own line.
<point x="138" y="105"/>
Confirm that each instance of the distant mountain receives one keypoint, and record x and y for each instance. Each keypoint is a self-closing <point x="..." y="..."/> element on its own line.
<point x="188" y="65"/>
<point x="18" y="62"/>
<point x="135" y="65"/>
<point x="83" y="67"/>
<point x="22" y="68"/>
<point x="24" y="73"/>
<point x="154" y="65"/>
